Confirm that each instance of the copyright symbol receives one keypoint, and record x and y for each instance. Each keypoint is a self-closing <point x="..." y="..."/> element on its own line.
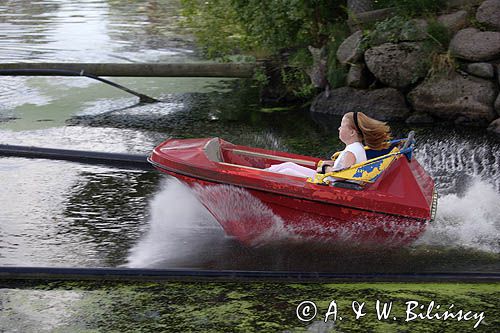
<point x="306" y="311"/>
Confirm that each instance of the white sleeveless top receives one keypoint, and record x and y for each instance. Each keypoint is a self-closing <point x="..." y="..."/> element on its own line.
<point x="357" y="149"/>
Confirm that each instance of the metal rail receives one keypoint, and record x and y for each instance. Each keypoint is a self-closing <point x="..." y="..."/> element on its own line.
<point x="90" y="157"/>
<point x="129" y="274"/>
<point x="235" y="70"/>
<point x="64" y="72"/>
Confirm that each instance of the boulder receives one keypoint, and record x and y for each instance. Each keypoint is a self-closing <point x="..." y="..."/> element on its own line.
<point x="419" y="32"/>
<point x="457" y="98"/>
<point x="497" y="105"/>
<point x="462" y="3"/>
<point x="350" y="49"/>
<point x="400" y="31"/>
<point x="317" y="72"/>
<point x="454" y="21"/>
<point x="474" y="45"/>
<point x="489" y="14"/>
<point x="494" y="128"/>
<point x="383" y="104"/>
<point x="481" y="69"/>
<point x="397" y="65"/>
<point x="419" y="118"/>
<point x="357" y="21"/>
<point x="498" y="73"/>
<point x="357" y="6"/>
<point x="356" y="77"/>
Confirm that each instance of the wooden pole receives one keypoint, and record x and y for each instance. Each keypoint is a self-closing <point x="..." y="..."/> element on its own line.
<point x="234" y="70"/>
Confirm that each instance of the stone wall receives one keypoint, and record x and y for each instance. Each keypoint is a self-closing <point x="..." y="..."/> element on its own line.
<point x="396" y="79"/>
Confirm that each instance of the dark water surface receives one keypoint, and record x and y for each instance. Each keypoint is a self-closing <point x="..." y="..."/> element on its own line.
<point x="55" y="213"/>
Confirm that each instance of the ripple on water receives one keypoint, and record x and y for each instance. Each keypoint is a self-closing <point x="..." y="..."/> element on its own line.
<point x="455" y="161"/>
<point x="15" y="91"/>
<point x="92" y="31"/>
<point x="86" y="138"/>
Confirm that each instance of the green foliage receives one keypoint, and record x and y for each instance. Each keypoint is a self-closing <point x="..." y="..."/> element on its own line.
<point x="216" y="26"/>
<point x="270" y="27"/>
<point x="283" y="24"/>
<point x="336" y="72"/>
<point x="260" y="76"/>
<point x="301" y="58"/>
<point x="473" y="22"/>
<point x="225" y="27"/>
<point x="297" y="78"/>
<point x="393" y="30"/>
<point x="297" y="81"/>
<point x="439" y="34"/>
<point x="412" y="8"/>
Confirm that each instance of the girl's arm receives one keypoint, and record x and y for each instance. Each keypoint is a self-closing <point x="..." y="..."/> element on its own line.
<point x="348" y="159"/>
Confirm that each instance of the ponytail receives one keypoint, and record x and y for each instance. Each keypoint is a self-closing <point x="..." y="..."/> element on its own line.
<point x="375" y="133"/>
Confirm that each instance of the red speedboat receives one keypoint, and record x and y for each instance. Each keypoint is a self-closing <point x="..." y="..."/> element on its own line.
<point x="255" y="205"/>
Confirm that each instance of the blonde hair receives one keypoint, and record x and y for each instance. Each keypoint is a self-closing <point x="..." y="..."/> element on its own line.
<point x="374" y="133"/>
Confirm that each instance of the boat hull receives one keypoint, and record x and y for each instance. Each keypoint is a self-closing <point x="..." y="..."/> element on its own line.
<point x="254" y="217"/>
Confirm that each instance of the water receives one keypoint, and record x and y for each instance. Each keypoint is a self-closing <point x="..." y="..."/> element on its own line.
<point x="56" y="213"/>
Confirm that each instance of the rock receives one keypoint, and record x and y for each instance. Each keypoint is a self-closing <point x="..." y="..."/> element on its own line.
<point x="489" y="13"/>
<point x="462" y="3"/>
<point x="357" y="6"/>
<point x="382" y="104"/>
<point x="474" y="45"/>
<point x="397" y="65"/>
<point x="494" y="128"/>
<point x="317" y="72"/>
<point x="350" y="51"/>
<point x="357" y="21"/>
<point x="419" y="32"/>
<point x="356" y="77"/>
<point x="455" y="98"/>
<point x="419" y="118"/>
<point x="481" y="69"/>
<point x="498" y="73"/>
<point x="497" y="105"/>
<point x="454" y="21"/>
<point x="398" y="30"/>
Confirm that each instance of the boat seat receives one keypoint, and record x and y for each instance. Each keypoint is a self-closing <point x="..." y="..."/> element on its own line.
<point x="212" y="150"/>
<point x="347" y="184"/>
<point x="371" y="153"/>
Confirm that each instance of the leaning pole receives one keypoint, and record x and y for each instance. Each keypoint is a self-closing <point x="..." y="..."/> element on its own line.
<point x="230" y="70"/>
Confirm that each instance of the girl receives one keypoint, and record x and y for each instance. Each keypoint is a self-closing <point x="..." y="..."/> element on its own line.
<point x="355" y="128"/>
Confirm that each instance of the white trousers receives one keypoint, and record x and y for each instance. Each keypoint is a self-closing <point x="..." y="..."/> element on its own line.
<point x="292" y="169"/>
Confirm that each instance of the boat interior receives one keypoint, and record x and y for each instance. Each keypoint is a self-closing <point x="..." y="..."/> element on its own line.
<point x="228" y="155"/>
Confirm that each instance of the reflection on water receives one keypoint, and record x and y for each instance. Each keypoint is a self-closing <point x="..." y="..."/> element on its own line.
<point x="68" y="214"/>
<point x="92" y="31"/>
<point x="61" y="213"/>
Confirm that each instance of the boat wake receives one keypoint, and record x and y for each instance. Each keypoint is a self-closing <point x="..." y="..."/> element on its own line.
<point x="466" y="171"/>
<point x="180" y="227"/>
<point x="471" y="219"/>
<point x="455" y="161"/>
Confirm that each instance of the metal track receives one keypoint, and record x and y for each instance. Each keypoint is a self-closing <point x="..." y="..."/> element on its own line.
<point x="236" y="70"/>
<point x="64" y="72"/>
<point x="90" y="157"/>
<point x="128" y="274"/>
